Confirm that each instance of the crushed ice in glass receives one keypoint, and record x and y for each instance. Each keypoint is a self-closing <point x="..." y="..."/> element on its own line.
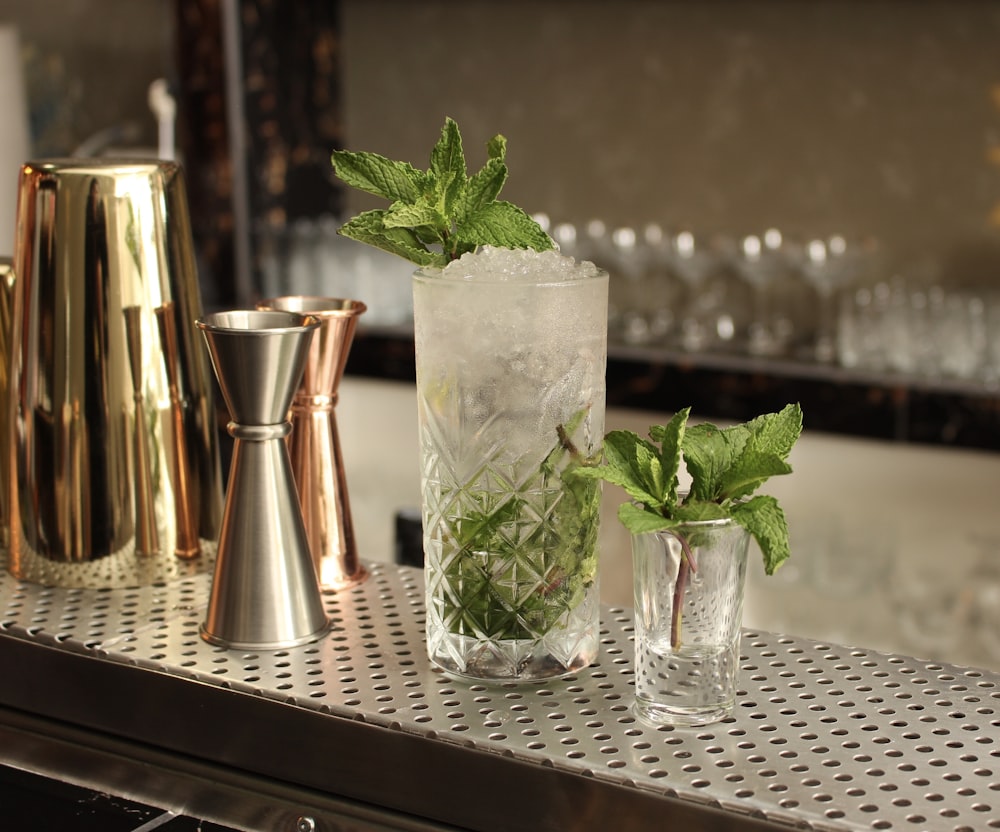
<point x="493" y="263"/>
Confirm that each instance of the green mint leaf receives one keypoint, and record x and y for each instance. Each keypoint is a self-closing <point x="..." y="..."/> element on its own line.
<point x="496" y="148"/>
<point x="504" y="225"/>
<point x="631" y="463"/>
<point x="448" y="157"/>
<point x="709" y="452"/>
<point x="444" y="192"/>
<point x="444" y="212"/>
<point x="570" y="539"/>
<point x="700" y="512"/>
<point x="638" y="461"/>
<point x="448" y="167"/>
<point x="776" y="433"/>
<point x="482" y="188"/>
<point x="374" y="174"/>
<point x="670" y="437"/>
<point x="764" y="519"/>
<point x="639" y="520"/>
<point x="750" y="472"/>
<point x="420" y="214"/>
<point x="769" y="441"/>
<point x="477" y="529"/>
<point x="369" y="227"/>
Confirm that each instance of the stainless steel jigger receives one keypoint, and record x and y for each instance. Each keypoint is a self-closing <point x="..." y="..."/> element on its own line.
<point x="314" y="445"/>
<point x="265" y="592"/>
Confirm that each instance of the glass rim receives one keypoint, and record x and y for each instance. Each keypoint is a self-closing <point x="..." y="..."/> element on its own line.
<point x="435" y="274"/>
<point x="718" y="522"/>
<point x="316" y="306"/>
<point x="256" y="321"/>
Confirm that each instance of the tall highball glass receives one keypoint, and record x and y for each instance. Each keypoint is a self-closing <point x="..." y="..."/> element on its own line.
<point x="511" y="395"/>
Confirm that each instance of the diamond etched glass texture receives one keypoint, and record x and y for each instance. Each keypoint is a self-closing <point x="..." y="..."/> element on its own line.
<point x="510" y="391"/>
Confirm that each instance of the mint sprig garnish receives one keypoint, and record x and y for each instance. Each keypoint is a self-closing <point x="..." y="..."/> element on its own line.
<point x="439" y="214"/>
<point x="726" y="465"/>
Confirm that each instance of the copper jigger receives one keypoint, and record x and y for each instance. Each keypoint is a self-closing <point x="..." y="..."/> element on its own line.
<point x="314" y="445"/>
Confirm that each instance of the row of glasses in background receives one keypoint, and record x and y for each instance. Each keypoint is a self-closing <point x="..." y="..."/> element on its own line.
<point x="822" y="299"/>
<point x="921" y="329"/>
<point x="761" y="294"/>
<point x="309" y="258"/>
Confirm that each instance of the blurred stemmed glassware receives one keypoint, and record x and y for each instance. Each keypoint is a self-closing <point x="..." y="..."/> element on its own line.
<point x="759" y="273"/>
<point x="308" y="257"/>
<point x="820" y="273"/>
<point x="724" y="302"/>
<point x="663" y="293"/>
<point x="565" y="236"/>
<point x="627" y="311"/>
<point x="830" y="267"/>
<point x="918" y="330"/>
<point x="692" y="263"/>
<point x="765" y="262"/>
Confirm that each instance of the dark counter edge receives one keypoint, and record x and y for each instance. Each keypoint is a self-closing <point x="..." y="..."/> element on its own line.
<point x="291" y="761"/>
<point x="834" y="400"/>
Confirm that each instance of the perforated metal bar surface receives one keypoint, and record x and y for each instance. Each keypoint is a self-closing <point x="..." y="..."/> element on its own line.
<point x="824" y="737"/>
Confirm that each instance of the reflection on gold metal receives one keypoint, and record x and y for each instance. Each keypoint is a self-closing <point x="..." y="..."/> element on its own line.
<point x="187" y="544"/>
<point x="314" y="444"/>
<point x="94" y="238"/>
<point x="147" y="540"/>
<point x="6" y="299"/>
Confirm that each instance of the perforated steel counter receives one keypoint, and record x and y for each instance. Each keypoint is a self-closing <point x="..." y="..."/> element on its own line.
<point x="824" y="737"/>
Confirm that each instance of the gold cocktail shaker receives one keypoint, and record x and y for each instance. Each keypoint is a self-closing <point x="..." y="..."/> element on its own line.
<point x="112" y="432"/>
<point x="6" y="299"/>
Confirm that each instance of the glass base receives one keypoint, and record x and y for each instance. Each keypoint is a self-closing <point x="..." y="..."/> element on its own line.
<point x="513" y="660"/>
<point x="656" y="713"/>
<point x="520" y="651"/>
<point x="693" y="685"/>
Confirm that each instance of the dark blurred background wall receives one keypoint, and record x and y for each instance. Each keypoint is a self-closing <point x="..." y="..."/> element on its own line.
<point x="829" y="116"/>
<point x="859" y="118"/>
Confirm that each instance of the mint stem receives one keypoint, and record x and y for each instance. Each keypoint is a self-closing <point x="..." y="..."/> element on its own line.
<point x="687" y="566"/>
<point x="568" y="445"/>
